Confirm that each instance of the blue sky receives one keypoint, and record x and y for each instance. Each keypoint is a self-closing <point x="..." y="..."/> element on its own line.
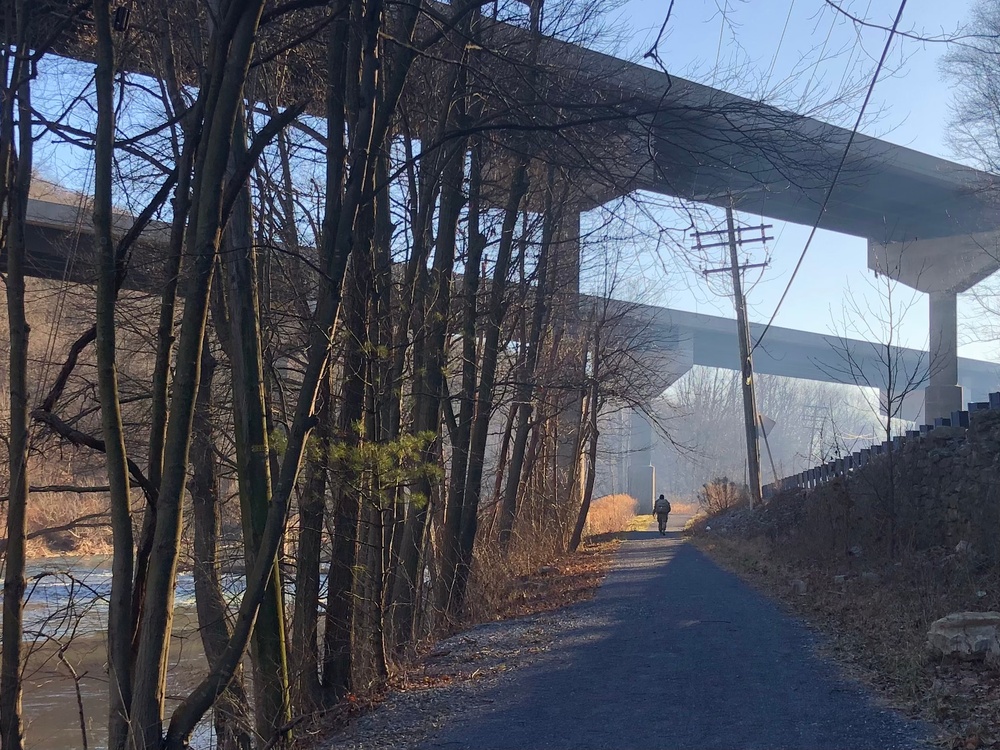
<point x="804" y="51"/>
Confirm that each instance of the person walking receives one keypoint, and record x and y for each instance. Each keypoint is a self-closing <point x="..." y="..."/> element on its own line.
<point x="661" y="509"/>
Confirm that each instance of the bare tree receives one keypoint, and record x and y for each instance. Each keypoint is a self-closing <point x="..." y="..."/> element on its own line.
<point x="883" y="365"/>
<point x="16" y="144"/>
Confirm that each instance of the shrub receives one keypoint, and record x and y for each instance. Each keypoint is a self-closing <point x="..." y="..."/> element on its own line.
<point x="722" y="494"/>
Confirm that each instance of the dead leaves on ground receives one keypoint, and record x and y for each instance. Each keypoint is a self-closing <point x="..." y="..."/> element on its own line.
<point x="569" y="579"/>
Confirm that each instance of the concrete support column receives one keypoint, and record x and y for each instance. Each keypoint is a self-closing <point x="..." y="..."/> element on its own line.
<point x="564" y="262"/>
<point x="943" y="395"/>
<point x="641" y="473"/>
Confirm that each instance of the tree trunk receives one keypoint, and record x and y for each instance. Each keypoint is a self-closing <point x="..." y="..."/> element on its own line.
<point x="161" y="366"/>
<point x="457" y="551"/>
<point x="120" y="605"/>
<point x="526" y="381"/>
<point x="380" y="430"/>
<point x="593" y="407"/>
<point x="239" y="268"/>
<point x="484" y="409"/>
<point x="224" y="96"/>
<point x="370" y="127"/>
<point x="337" y="638"/>
<point x="370" y="666"/>
<point x="429" y="363"/>
<point x="233" y="728"/>
<point x="312" y="510"/>
<point x="16" y="176"/>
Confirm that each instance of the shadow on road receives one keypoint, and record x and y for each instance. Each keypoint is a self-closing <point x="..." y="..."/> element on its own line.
<point x="724" y="666"/>
<point x="639" y="535"/>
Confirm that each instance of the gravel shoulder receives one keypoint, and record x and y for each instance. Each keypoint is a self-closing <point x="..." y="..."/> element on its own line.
<point x="471" y="670"/>
<point x="672" y="652"/>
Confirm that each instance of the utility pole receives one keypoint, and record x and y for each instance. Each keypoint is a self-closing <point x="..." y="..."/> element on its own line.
<point x="734" y="239"/>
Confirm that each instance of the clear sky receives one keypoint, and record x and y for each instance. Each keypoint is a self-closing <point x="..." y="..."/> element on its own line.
<point x="803" y="52"/>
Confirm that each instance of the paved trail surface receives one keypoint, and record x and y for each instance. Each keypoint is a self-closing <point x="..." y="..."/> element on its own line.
<point x="674" y="652"/>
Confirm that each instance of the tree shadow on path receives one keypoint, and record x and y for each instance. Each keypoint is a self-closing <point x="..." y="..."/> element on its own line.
<point x="674" y="652"/>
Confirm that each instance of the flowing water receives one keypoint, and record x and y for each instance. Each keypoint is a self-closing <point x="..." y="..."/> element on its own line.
<point x="66" y="630"/>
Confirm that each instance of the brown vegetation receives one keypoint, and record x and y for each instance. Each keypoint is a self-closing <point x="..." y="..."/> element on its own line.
<point x="609" y="514"/>
<point x="721" y="495"/>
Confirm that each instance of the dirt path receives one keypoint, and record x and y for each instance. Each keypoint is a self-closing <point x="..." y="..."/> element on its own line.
<point x="673" y="652"/>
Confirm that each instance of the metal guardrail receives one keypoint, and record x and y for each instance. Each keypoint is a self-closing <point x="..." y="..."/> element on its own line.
<point x="846" y="465"/>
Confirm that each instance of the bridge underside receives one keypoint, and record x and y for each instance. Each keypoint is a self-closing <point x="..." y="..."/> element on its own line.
<point x="690" y="339"/>
<point x="929" y="223"/>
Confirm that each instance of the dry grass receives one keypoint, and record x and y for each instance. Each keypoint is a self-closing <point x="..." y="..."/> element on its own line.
<point x="722" y="494"/>
<point x="60" y="523"/>
<point x="68" y="523"/>
<point x="876" y="619"/>
<point x="640" y="523"/>
<point x="683" y="507"/>
<point x="609" y="514"/>
<point x="537" y="575"/>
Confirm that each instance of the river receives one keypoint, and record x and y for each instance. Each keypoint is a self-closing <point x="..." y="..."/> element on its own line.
<point x="66" y="613"/>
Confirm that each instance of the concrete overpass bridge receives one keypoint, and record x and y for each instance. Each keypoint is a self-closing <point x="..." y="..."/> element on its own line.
<point x="928" y="222"/>
<point x="60" y="246"/>
<point x="686" y="339"/>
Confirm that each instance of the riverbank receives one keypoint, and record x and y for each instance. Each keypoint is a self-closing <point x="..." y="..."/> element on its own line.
<point x="66" y="690"/>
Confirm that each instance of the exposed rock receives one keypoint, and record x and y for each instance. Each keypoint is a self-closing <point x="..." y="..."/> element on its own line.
<point x="869" y="576"/>
<point x="839" y="579"/>
<point x="855" y="551"/>
<point x="799" y="587"/>
<point x="963" y="548"/>
<point x="967" y="635"/>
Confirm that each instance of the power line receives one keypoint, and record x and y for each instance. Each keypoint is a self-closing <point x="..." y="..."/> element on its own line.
<point x="781" y="39"/>
<point x="722" y="30"/>
<point x="840" y="168"/>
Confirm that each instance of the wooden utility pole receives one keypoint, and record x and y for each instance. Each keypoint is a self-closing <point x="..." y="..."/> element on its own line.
<point x="734" y="239"/>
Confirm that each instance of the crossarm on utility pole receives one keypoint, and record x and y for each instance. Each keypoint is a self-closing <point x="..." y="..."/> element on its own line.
<point x="734" y="239"/>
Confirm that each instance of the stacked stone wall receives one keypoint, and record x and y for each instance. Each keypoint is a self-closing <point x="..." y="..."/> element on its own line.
<point x="941" y="489"/>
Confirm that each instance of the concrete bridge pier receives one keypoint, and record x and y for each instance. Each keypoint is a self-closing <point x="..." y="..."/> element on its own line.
<point x="943" y="394"/>
<point x="941" y="268"/>
<point x="641" y="472"/>
<point x="565" y="269"/>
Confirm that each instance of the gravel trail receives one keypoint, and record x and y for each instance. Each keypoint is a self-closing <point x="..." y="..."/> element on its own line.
<point x="672" y="652"/>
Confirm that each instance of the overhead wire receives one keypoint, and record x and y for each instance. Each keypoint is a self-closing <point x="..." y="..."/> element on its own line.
<point x="781" y="39"/>
<point x="836" y="175"/>
<point x="55" y="328"/>
<point x="722" y="32"/>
